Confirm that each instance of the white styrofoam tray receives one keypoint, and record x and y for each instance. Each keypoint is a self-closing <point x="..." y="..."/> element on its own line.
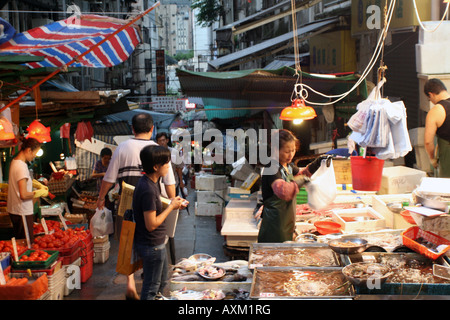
<point x="379" y="222"/>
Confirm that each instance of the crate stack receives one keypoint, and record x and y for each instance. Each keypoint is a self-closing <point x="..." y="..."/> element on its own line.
<point x="101" y="249"/>
<point x="57" y="284"/>
<point x="87" y="257"/>
<point x="211" y="192"/>
<point x="52" y="268"/>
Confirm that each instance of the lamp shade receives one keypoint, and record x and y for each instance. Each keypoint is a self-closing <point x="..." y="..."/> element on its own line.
<point x="6" y="129"/>
<point x="298" y="110"/>
<point x="38" y="131"/>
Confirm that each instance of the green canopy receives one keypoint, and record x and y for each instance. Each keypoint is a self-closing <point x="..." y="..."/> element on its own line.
<point x="241" y="93"/>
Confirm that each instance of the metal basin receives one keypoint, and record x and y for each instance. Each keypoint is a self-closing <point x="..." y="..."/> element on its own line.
<point x="354" y="245"/>
<point x="362" y="273"/>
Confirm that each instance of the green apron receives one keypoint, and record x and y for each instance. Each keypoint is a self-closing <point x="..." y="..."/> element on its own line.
<point x="278" y="216"/>
<point x="444" y="158"/>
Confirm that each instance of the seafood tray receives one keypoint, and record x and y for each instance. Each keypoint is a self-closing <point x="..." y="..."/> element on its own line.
<point x="413" y="274"/>
<point x="292" y="255"/>
<point x="190" y="280"/>
<point x="387" y="239"/>
<point x="300" y="283"/>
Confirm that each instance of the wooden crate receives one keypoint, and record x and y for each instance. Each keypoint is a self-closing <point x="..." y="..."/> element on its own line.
<point x="342" y="171"/>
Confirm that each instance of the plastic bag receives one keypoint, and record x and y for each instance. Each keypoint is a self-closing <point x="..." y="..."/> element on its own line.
<point x="101" y="223"/>
<point x="322" y="188"/>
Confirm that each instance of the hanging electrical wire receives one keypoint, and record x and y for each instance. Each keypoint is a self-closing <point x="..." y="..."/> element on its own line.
<point x="377" y="52"/>
<point x="420" y="21"/>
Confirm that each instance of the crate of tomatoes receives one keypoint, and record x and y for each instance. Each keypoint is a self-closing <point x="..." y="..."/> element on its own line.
<point x="63" y="241"/>
<point x="6" y="246"/>
<point x="35" y="259"/>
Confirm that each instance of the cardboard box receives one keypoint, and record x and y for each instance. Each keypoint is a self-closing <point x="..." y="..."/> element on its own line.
<point x="210" y="182"/>
<point x="238" y="193"/>
<point x="242" y="172"/>
<point x="250" y="181"/>
<point x="400" y="179"/>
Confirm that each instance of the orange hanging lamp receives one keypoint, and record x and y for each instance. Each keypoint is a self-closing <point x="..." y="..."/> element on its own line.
<point x="6" y="130"/>
<point x="298" y="111"/>
<point x="39" y="132"/>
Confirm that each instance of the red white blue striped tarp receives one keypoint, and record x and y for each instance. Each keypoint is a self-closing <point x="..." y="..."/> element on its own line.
<point x="62" y="41"/>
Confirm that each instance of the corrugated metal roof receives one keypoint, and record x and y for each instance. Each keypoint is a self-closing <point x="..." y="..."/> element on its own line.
<point x="303" y="33"/>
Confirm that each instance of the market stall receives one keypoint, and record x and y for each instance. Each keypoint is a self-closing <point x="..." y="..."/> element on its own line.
<point x="364" y="245"/>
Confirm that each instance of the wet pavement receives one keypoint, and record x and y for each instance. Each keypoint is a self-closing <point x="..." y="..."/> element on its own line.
<point x="194" y="234"/>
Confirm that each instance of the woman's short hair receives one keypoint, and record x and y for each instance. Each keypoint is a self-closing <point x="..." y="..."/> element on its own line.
<point x="284" y="136"/>
<point x="31" y="143"/>
<point x="153" y="155"/>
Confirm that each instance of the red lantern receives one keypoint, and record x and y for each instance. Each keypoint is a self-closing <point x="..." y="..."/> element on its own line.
<point x="38" y="131"/>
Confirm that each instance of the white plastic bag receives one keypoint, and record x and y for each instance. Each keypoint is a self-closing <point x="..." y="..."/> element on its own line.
<point x="101" y="223"/>
<point x="322" y="188"/>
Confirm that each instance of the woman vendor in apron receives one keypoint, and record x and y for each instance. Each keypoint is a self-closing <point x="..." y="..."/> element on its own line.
<point x="279" y="191"/>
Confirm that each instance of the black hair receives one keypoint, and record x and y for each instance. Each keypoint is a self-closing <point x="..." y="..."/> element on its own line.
<point x="159" y="135"/>
<point x="142" y="123"/>
<point x="31" y="143"/>
<point x="435" y="86"/>
<point x="285" y="136"/>
<point x="105" y="152"/>
<point x="154" y="155"/>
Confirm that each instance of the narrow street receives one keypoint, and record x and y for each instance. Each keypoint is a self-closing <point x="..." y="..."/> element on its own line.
<point x="194" y="234"/>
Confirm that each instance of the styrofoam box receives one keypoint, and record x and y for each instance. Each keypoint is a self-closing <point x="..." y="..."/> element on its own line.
<point x="393" y="220"/>
<point x="433" y="58"/>
<point x="208" y="209"/>
<point x="240" y="230"/>
<point x="400" y="179"/>
<point x="216" y="196"/>
<point x="210" y="182"/>
<point x="435" y="186"/>
<point x="378" y="223"/>
<point x="354" y="198"/>
<point x="237" y="207"/>
<point x="441" y="34"/>
<point x="101" y="252"/>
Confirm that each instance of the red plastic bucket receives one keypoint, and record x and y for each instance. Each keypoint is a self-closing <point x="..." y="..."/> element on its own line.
<point x="366" y="173"/>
